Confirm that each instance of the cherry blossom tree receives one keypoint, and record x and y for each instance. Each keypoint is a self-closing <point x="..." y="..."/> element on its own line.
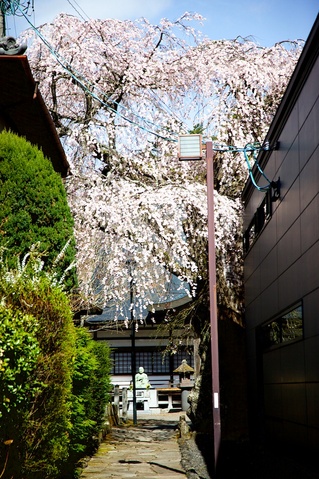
<point x="120" y="93"/>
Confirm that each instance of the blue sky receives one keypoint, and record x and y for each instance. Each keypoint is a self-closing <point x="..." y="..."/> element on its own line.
<point x="267" y="21"/>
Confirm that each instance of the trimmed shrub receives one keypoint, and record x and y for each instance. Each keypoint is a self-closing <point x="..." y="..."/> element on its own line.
<point x="34" y="208"/>
<point x="54" y="379"/>
<point x="19" y="353"/>
<point x="49" y="420"/>
<point x="39" y="424"/>
<point x="90" y="394"/>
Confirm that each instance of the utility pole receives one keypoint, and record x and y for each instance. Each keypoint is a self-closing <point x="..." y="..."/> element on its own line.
<point x="213" y="302"/>
<point x="2" y="22"/>
<point x="190" y="149"/>
<point x="133" y="353"/>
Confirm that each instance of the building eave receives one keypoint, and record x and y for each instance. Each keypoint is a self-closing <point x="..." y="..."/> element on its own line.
<point x="301" y="72"/>
<point x="24" y="111"/>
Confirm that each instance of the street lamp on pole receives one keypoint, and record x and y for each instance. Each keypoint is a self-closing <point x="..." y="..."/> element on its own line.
<point x="213" y="299"/>
<point x="133" y="353"/>
<point x="190" y="148"/>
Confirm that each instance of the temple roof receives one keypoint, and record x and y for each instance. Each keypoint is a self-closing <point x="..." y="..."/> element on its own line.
<point x="176" y="295"/>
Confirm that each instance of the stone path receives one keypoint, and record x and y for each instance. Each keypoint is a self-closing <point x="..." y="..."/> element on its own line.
<point x="145" y="451"/>
<point x="151" y="451"/>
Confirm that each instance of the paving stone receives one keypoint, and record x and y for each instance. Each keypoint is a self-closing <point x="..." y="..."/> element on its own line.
<point x="147" y="451"/>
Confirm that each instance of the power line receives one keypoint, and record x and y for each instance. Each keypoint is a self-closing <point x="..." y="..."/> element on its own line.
<point x="83" y="82"/>
<point x="77" y="11"/>
<point x="11" y="7"/>
<point x="253" y="148"/>
<point x="169" y="109"/>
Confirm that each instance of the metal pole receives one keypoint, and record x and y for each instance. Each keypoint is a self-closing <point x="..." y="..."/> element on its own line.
<point x="133" y="356"/>
<point x="213" y="301"/>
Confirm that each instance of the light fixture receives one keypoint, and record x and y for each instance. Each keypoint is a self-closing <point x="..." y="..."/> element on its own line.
<point x="190" y="147"/>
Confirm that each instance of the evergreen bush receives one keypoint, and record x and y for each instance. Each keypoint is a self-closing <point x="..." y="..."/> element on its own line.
<point x="54" y="379"/>
<point x="34" y="208"/>
<point x="90" y="394"/>
<point x="40" y="424"/>
<point x="19" y="353"/>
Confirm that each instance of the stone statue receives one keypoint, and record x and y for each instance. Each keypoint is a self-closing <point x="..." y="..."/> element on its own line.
<point x="141" y="379"/>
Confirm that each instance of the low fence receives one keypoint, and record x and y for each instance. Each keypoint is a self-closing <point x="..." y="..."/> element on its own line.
<point x="162" y="397"/>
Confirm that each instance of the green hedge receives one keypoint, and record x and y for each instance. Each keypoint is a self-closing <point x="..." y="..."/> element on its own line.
<point x="54" y="379"/>
<point x="19" y="353"/>
<point x="40" y="424"/>
<point x="90" y="394"/>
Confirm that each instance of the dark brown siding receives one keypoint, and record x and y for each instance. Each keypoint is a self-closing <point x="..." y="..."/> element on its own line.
<point x="282" y="268"/>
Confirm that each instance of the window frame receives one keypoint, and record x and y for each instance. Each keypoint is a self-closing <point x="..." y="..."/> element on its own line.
<point x="276" y="323"/>
<point x="150" y="365"/>
<point x="261" y="217"/>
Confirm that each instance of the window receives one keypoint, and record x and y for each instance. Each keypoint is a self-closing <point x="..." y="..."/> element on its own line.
<point x="121" y="362"/>
<point x="284" y="329"/>
<point x="261" y="217"/>
<point x="151" y="360"/>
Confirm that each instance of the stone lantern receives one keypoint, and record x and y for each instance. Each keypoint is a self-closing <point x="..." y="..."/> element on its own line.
<point x="185" y="382"/>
